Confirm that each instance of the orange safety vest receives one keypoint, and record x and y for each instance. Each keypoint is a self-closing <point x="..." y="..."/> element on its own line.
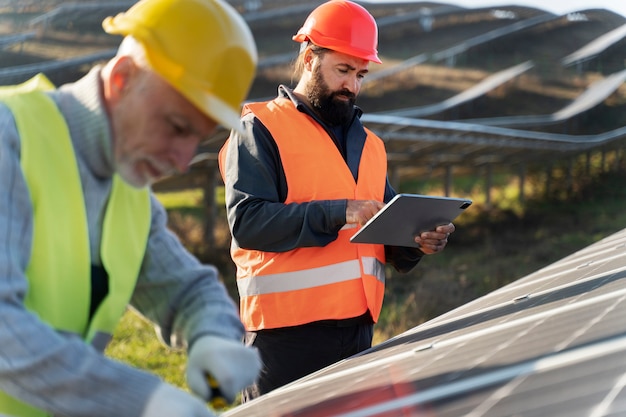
<point x="338" y="281"/>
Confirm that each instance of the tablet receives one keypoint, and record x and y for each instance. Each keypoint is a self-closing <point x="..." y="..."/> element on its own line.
<point x="407" y="215"/>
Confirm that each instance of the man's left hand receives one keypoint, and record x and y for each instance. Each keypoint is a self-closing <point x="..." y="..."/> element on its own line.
<point x="436" y="240"/>
<point x="232" y="364"/>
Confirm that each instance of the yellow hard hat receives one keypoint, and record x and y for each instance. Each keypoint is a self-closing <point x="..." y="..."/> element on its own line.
<point x="203" y="48"/>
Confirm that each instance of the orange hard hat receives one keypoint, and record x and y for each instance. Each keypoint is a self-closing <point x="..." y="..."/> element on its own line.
<point x="342" y="26"/>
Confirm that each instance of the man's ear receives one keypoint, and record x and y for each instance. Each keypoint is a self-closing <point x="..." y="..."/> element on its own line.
<point x="120" y="76"/>
<point x="309" y="57"/>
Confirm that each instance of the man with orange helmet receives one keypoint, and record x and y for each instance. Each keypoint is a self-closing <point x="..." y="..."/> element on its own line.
<point x="82" y="235"/>
<point x="299" y="180"/>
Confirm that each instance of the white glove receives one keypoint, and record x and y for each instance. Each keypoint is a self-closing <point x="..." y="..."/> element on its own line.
<point x="168" y="401"/>
<point x="232" y="364"/>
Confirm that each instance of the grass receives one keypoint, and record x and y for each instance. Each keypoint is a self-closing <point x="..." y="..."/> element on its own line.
<point x="135" y="343"/>
<point x="491" y="247"/>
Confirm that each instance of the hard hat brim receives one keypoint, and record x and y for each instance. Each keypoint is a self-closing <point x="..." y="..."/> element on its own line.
<point x="368" y="56"/>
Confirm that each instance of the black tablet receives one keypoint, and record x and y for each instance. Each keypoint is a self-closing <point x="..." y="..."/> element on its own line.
<point x="407" y="215"/>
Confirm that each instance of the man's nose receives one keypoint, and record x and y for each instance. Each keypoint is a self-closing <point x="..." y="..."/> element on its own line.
<point x="352" y="84"/>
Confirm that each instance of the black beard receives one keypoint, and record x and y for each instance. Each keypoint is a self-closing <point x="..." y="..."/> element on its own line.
<point x="329" y="108"/>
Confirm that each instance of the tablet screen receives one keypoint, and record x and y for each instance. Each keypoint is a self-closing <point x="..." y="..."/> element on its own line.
<point x="407" y="215"/>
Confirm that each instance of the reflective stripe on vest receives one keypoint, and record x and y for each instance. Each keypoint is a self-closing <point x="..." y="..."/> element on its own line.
<point x="309" y="278"/>
<point x="341" y="280"/>
<point x="59" y="268"/>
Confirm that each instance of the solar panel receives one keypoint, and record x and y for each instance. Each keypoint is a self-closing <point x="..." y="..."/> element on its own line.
<point x="549" y="344"/>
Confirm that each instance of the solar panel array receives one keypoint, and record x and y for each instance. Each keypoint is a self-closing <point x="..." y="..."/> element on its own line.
<point x="552" y="343"/>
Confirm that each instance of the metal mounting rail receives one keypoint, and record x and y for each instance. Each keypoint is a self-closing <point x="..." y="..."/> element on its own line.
<point x="20" y="73"/>
<point x="9" y="40"/>
<point x="488" y="84"/>
<point x="596" y="46"/>
<point x="594" y="95"/>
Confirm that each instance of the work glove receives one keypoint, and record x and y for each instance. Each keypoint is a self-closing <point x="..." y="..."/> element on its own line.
<point x="233" y="365"/>
<point x="168" y="401"/>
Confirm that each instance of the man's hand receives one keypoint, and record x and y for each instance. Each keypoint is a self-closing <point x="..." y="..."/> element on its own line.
<point x="436" y="240"/>
<point x="168" y="401"/>
<point x="360" y="211"/>
<point x="233" y="365"/>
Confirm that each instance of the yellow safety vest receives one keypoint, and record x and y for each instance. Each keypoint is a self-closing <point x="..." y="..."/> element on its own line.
<point x="59" y="271"/>
<point x="338" y="281"/>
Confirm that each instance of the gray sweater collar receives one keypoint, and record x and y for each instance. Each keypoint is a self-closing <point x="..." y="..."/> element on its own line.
<point x="82" y="105"/>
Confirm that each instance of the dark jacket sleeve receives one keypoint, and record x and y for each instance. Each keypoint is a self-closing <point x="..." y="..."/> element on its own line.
<point x="256" y="189"/>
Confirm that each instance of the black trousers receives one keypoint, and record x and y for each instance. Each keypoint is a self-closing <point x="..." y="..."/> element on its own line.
<point x="292" y="352"/>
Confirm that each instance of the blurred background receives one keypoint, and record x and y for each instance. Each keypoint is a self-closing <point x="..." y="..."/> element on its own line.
<point x="519" y="107"/>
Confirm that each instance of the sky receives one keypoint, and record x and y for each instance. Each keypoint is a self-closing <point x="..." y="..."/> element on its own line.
<point x="554" y="6"/>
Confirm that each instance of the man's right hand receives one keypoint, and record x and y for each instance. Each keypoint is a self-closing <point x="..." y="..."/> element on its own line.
<point x="168" y="401"/>
<point x="360" y="211"/>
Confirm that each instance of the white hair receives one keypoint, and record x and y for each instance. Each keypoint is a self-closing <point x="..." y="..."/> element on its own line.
<point x="132" y="47"/>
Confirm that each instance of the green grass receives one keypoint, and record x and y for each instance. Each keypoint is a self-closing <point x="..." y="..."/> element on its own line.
<point x="491" y="248"/>
<point x="136" y="343"/>
<point x="182" y="199"/>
